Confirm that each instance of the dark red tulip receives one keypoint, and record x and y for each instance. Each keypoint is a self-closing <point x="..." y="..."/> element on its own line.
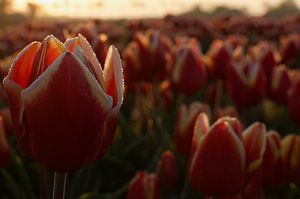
<point x="64" y="107"/>
<point x="290" y="157"/>
<point x="279" y="84"/>
<point x="294" y="102"/>
<point x="186" y="117"/>
<point x="290" y="49"/>
<point x="219" y="56"/>
<point x="218" y="162"/>
<point x="143" y="186"/>
<point x="265" y="53"/>
<point x="271" y="165"/>
<point x="167" y="171"/>
<point x="188" y="72"/>
<point x="246" y="83"/>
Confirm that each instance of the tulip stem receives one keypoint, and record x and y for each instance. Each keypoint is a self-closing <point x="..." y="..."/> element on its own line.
<point x="59" y="185"/>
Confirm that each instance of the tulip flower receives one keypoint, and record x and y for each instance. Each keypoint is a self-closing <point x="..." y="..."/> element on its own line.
<point x="4" y="147"/>
<point x="188" y="74"/>
<point x="186" y="117"/>
<point x="167" y="171"/>
<point x="265" y="54"/>
<point x="254" y="138"/>
<point x="279" y="84"/>
<point x="289" y="49"/>
<point x="219" y="55"/>
<point x="218" y="161"/>
<point x="246" y="83"/>
<point x="294" y="102"/>
<point x="143" y="186"/>
<point x="290" y="156"/>
<point x="271" y="165"/>
<point x="146" y="57"/>
<point x="64" y="107"/>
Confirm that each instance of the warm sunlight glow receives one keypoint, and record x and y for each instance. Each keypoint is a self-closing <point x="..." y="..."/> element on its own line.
<point x="137" y="8"/>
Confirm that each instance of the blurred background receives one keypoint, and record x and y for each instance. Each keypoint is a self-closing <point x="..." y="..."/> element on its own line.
<point x="14" y="10"/>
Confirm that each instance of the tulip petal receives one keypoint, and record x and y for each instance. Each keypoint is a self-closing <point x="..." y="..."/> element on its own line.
<point x="51" y="48"/>
<point x="113" y="77"/>
<point x="22" y="66"/>
<point x="77" y="106"/>
<point x="254" y="138"/>
<point x="89" y="53"/>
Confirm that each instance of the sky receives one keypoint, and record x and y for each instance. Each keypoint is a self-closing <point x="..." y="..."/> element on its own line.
<point x="138" y="8"/>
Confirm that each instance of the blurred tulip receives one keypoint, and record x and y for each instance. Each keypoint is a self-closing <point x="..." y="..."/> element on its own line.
<point x="246" y="83"/>
<point x="186" y="117"/>
<point x="167" y="171"/>
<point x="266" y="55"/>
<point x="218" y="162"/>
<point x="143" y="186"/>
<point x="219" y="54"/>
<point x="290" y="154"/>
<point x="167" y="93"/>
<point x="254" y="138"/>
<point x="188" y="72"/>
<point x="290" y="49"/>
<point x="146" y="57"/>
<point x="4" y="147"/>
<point x="64" y="107"/>
<point x="294" y="102"/>
<point x="5" y="114"/>
<point x="271" y="166"/>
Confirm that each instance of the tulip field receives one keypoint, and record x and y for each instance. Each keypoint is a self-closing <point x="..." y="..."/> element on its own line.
<point x="172" y="108"/>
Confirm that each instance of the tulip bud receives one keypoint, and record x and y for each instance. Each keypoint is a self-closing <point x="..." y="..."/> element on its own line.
<point x="219" y="54"/>
<point x="254" y="138"/>
<point x="143" y="186"/>
<point x="279" y="84"/>
<point x="186" y="117"/>
<point x="290" y="154"/>
<point x="4" y="147"/>
<point x="146" y="57"/>
<point x="265" y="54"/>
<point x="290" y="48"/>
<point x="271" y="166"/>
<point x="218" y="163"/>
<point x="294" y="102"/>
<point x="188" y="72"/>
<point x="167" y="171"/>
<point x="64" y="107"/>
<point x="246" y="83"/>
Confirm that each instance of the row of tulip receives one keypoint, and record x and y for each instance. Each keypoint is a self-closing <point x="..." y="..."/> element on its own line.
<point x="226" y="161"/>
<point x="248" y="77"/>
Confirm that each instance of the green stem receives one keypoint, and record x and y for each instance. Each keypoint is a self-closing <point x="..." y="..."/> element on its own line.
<point x="59" y="185"/>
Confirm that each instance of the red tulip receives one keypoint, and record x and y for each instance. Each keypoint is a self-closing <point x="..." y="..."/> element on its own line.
<point x="294" y="102"/>
<point x="290" y="156"/>
<point x="254" y="138"/>
<point x="279" y="84"/>
<point x="186" y="117"/>
<point x="146" y="57"/>
<point x="64" y="107"/>
<point x="218" y="163"/>
<point x="246" y="83"/>
<point x="290" y="49"/>
<point x="271" y="166"/>
<point x="219" y="54"/>
<point x="4" y="147"/>
<point x="265" y="54"/>
<point x="167" y="171"/>
<point x="188" y="72"/>
<point x="143" y="186"/>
